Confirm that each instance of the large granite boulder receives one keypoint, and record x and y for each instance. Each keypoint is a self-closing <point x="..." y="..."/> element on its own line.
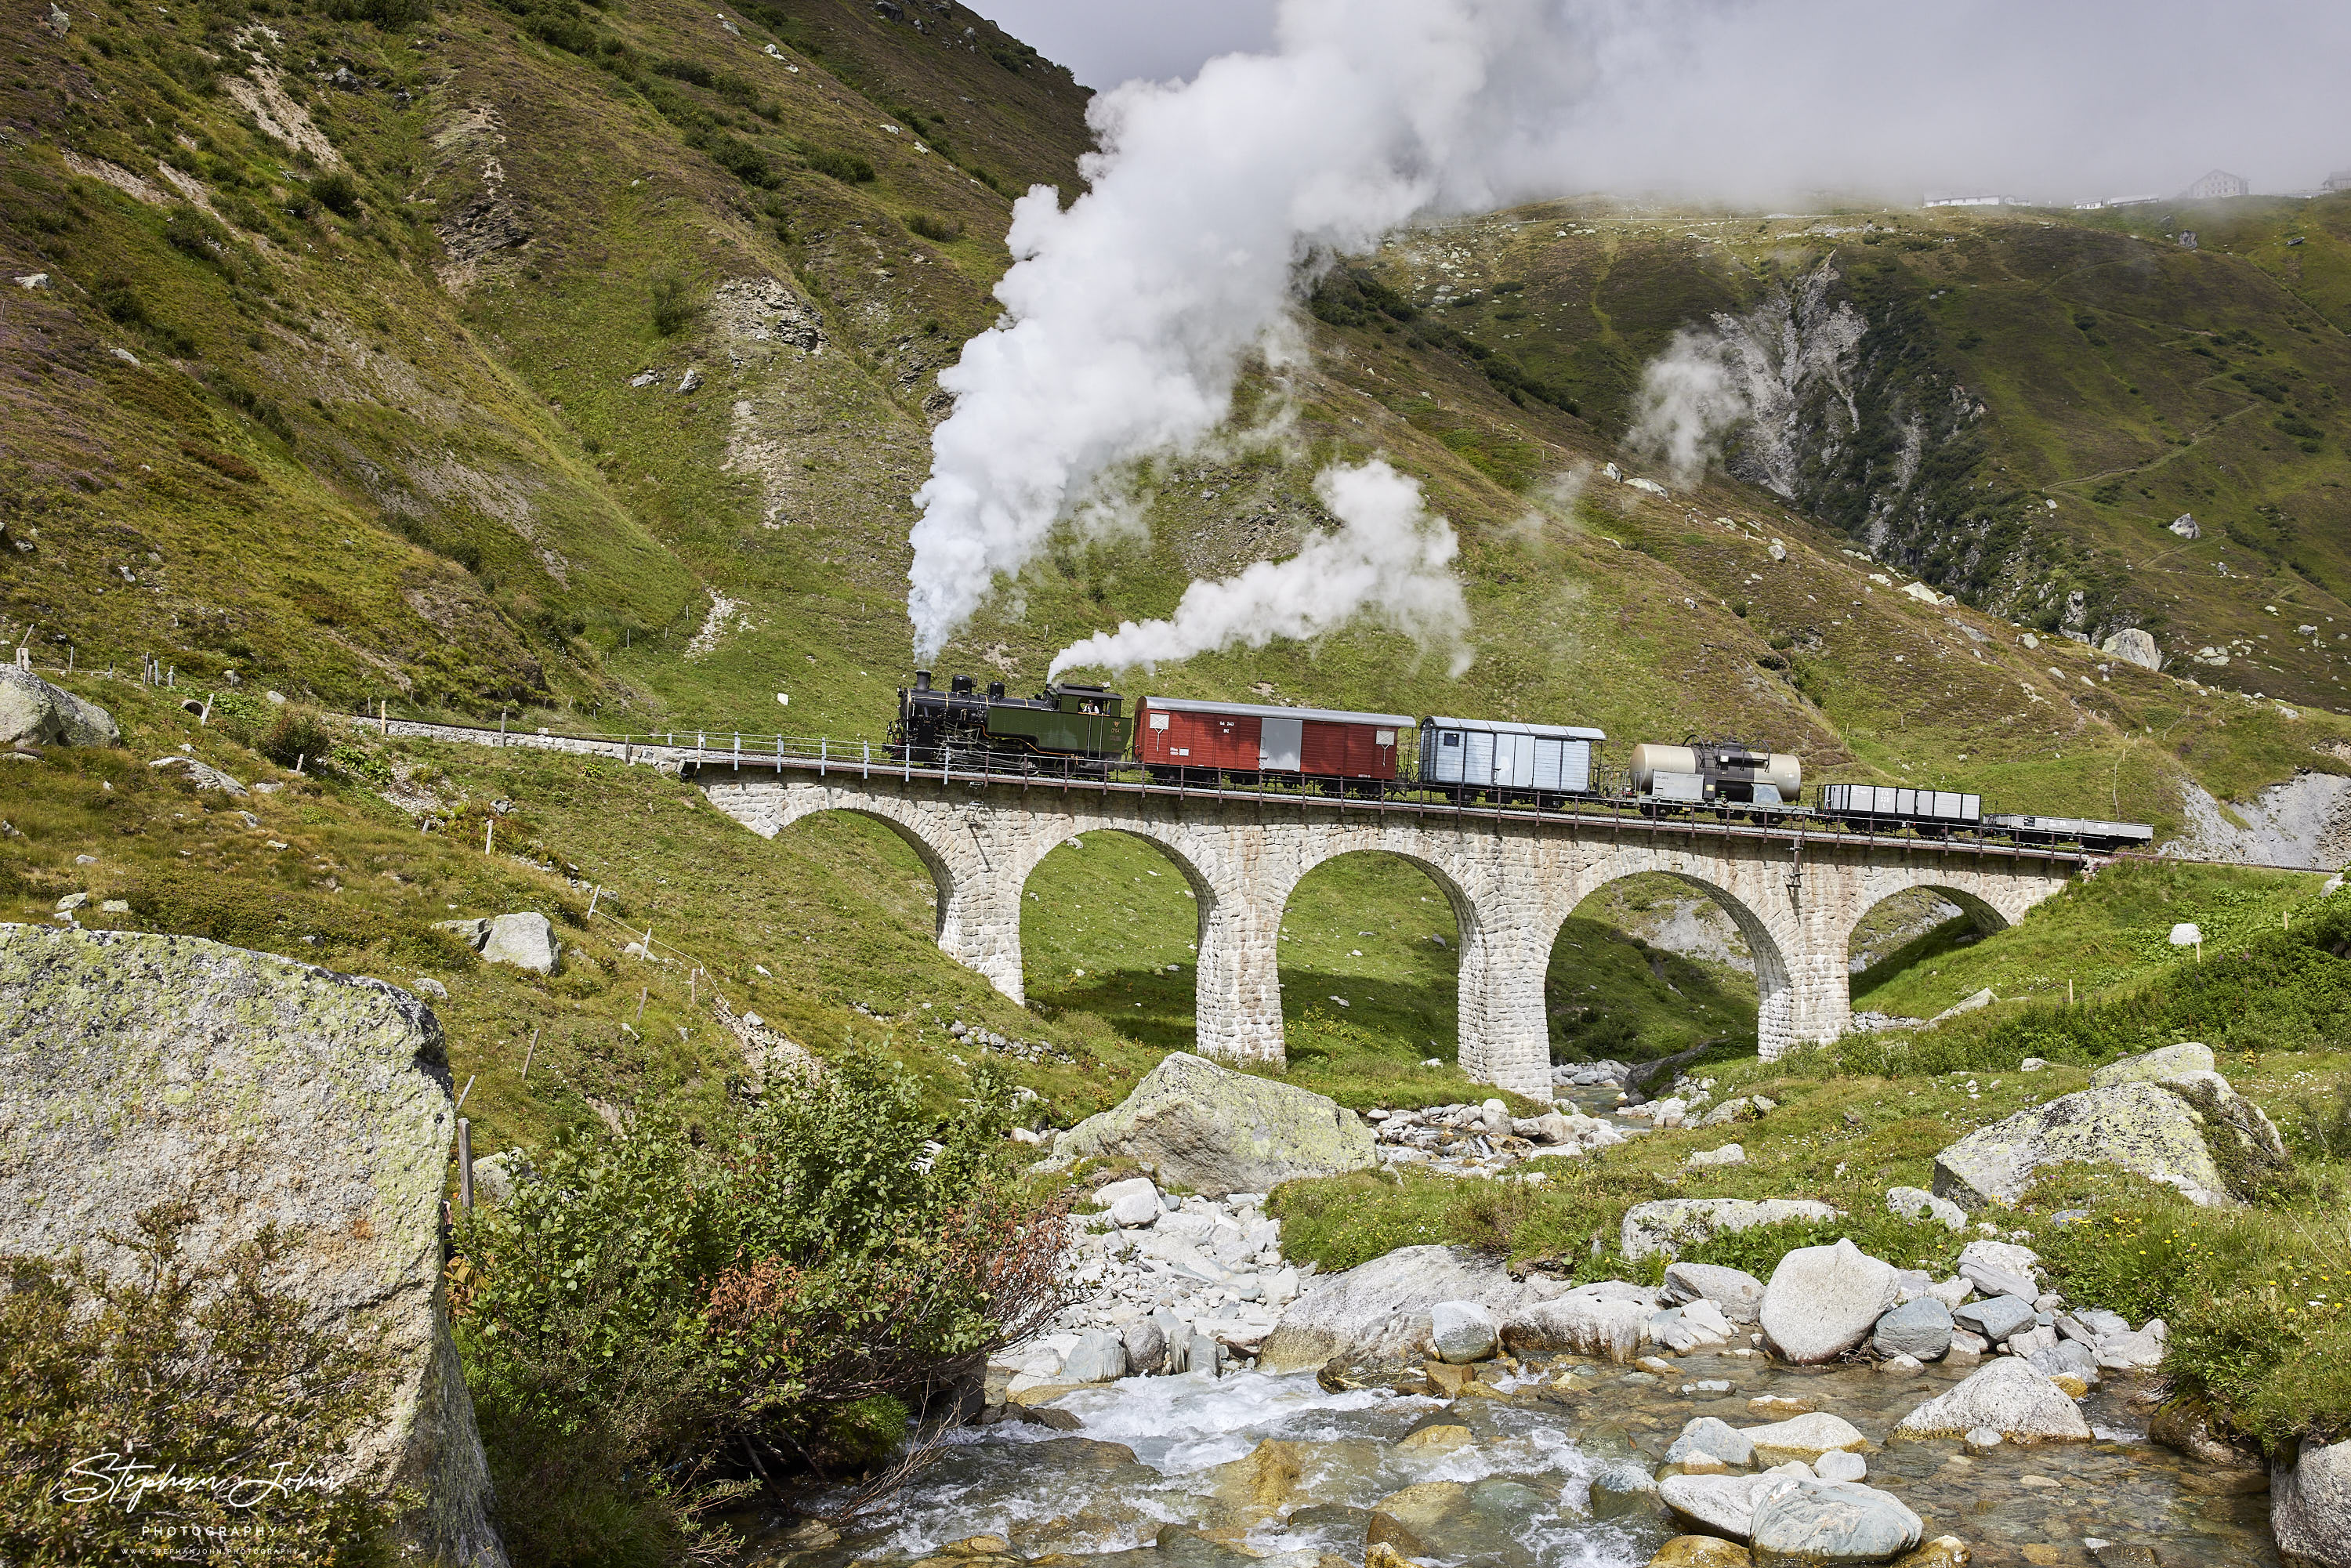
<point x="2310" y="1508"/>
<point x="34" y="712"/>
<point x="140" y="1069"/>
<point x="1667" y="1224"/>
<point x="1821" y="1522"/>
<point x="2155" y="1066"/>
<point x="1591" y="1320"/>
<point x="2188" y="1129"/>
<point x="2007" y="1396"/>
<point x="1195" y="1124"/>
<point x="1383" y="1309"/>
<point x="1823" y="1301"/>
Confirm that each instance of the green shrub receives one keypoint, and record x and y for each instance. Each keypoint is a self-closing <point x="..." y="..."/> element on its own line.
<point x="938" y="230"/>
<point x="338" y="192"/>
<point x="742" y="160"/>
<point x="790" y="1288"/>
<point x="201" y="1371"/>
<point x="296" y="735"/>
<point x="846" y="167"/>
<point x="675" y="308"/>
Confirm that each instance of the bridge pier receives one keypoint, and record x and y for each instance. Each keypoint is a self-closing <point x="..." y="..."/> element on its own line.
<point x="1237" y="1006"/>
<point x="1505" y="1030"/>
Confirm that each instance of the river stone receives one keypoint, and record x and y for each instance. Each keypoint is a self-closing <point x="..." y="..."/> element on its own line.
<point x="2166" y="1132"/>
<point x="2000" y="1268"/>
<point x="1700" y="1552"/>
<point x="2005" y="1395"/>
<point x="1417" y="1508"/>
<point x="1943" y="1552"/>
<point x="1099" y="1356"/>
<point x="1146" y="1345"/>
<point x="1833" y="1521"/>
<point x="1712" y="1434"/>
<point x="1804" y="1438"/>
<point x="2154" y="1066"/>
<point x="1623" y="1488"/>
<point x="1665" y="1225"/>
<point x="1918" y="1203"/>
<point x="1995" y="1319"/>
<point x="1722" y="1505"/>
<point x="1738" y="1293"/>
<point x="527" y="941"/>
<point x="1823" y="1300"/>
<point x="1580" y="1324"/>
<point x="2310" y="1506"/>
<point x="1841" y="1465"/>
<point x="1461" y="1332"/>
<point x="1264" y="1478"/>
<point x="34" y="712"/>
<point x="1380" y="1311"/>
<point x="136" y="1070"/>
<point x="1921" y="1327"/>
<point x="1195" y="1125"/>
<point x="1129" y="1204"/>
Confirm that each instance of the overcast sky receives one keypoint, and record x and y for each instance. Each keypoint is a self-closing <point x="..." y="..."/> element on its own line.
<point x="1104" y="42"/>
<point x="2060" y="99"/>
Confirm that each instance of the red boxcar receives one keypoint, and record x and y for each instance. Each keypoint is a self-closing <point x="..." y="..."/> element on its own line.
<point x="1244" y="738"/>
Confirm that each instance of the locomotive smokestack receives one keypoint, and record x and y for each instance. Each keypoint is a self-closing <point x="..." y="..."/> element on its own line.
<point x="922" y="680"/>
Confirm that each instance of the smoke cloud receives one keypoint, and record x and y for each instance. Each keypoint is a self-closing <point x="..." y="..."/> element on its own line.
<point x="1390" y="558"/>
<point x="1129" y="313"/>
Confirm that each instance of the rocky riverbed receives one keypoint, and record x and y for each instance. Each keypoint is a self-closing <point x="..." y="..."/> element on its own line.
<point x="1208" y="1472"/>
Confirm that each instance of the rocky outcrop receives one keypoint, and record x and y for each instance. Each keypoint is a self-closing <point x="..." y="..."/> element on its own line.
<point x="2310" y="1508"/>
<point x="525" y="940"/>
<point x="34" y="712"/>
<point x="1381" y="1309"/>
<point x="2006" y="1395"/>
<point x="2188" y="1129"/>
<point x="1668" y="1223"/>
<point x="1587" y="1321"/>
<point x="140" y="1069"/>
<point x="1195" y="1124"/>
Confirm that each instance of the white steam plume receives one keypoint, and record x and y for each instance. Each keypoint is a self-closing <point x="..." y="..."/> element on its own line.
<point x="1128" y="314"/>
<point x="1390" y="558"/>
<point x="1689" y="397"/>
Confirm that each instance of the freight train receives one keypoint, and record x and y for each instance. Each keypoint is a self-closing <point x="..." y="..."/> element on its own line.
<point x="1073" y="730"/>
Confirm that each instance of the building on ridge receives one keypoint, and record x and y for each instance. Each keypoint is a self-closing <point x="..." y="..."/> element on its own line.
<point x="2217" y="185"/>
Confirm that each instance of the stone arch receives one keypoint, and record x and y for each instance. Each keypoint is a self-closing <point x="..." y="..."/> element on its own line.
<point x="1318" y="855"/>
<point x="1986" y="916"/>
<point x="945" y="875"/>
<point x="1206" y="925"/>
<point x="1740" y="949"/>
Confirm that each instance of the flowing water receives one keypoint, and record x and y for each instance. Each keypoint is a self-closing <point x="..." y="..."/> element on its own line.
<point x="1150" y="1451"/>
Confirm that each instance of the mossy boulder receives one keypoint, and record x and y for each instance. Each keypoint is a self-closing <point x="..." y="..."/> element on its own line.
<point x="1195" y="1124"/>
<point x="34" y="712"/>
<point x="137" y="1070"/>
<point x="2188" y="1129"/>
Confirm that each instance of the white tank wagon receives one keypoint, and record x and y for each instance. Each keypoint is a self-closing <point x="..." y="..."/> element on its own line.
<point x="1715" y="772"/>
<point x="1470" y="758"/>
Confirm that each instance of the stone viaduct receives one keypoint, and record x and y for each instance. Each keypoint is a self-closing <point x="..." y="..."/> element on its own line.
<point x="1512" y="879"/>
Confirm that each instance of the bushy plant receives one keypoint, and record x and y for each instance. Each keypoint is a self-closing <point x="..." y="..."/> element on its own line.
<point x="677" y="1310"/>
<point x="177" y="1368"/>
<point x="674" y="305"/>
<point x="338" y="192"/>
<point x="846" y="167"/>
<point x="297" y="735"/>
<point x="935" y="228"/>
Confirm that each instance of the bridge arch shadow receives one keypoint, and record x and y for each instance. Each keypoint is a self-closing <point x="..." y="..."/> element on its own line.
<point x="1369" y="946"/>
<point x="1893" y="949"/>
<point x="1112" y="923"/>
<point x="925" y="854"/>
<point x="1647" y="965"/>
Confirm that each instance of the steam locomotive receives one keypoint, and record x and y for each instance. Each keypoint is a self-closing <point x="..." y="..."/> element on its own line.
<point x="1071" y="729"/>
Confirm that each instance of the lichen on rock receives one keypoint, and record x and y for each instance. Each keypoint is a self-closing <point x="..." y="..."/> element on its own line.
<point x="138" y="1070"/>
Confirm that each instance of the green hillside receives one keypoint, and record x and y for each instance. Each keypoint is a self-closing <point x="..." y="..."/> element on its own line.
<point x="577" y="362"/>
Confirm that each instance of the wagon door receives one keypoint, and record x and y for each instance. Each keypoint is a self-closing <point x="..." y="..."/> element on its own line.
<point x="1278" y="744"/>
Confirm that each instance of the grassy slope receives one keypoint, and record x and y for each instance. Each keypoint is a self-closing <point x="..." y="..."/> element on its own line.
<point x="478" y="508"/>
